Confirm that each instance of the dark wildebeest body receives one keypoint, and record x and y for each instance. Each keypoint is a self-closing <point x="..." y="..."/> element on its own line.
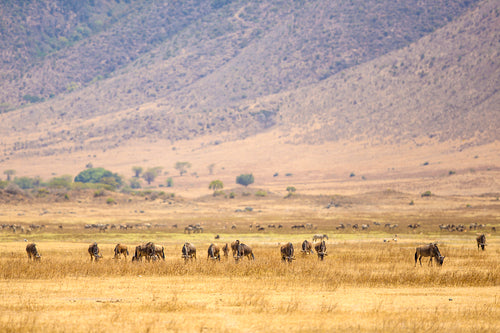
<point x="119" y="250"/>
<point x="287" y="252"/>
<point x="430" y="250"/>
<point x="321" y="250"/>
<point x="307" y="247"/>
<point x="188" y="251"/>
<point x="243" y="250"/>
<point x="94" y="252"/>
<point x="234" y="248"/>
<point x="32" y="252"/>
<point x="481" y="241"/>
<point x="225" y="249"/>
<point x="213" y="252"/>
<point x="147" y="250"/>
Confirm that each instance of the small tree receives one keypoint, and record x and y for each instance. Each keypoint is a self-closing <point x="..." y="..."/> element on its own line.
<point x="151" y="174"/>
<point x="245" y="179"/>
<point x="135" y="183"/>
<point x="137" y="171"/>
<point x="9" y="173"/>
<point x="182" y="167"/>
<point x="216" y="185"/>
<point x="170" y="182"/>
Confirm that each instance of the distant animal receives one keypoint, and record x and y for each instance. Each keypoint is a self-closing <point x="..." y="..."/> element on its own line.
<point x="95" y="253"/>
<point x="225" y="249"/>
<point x="321" y="250"/>
<point x="160" y="251"/>
<point x="481" y="241"/>
<point x="119" y="250"/>
<point x="307" y="247"/>
<point x="188" y="251"/>
<point x="147" y="251"/>
<point x="287" y="252"/>
<point x="319" y="237"/>
<point x="213" y="252"/>
<point x="243" y="250"/>
<point x="430" y="250"/>
<point x="32" y="252"/>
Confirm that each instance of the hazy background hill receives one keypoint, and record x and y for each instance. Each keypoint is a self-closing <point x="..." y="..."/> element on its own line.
<point x="81" y="77"/>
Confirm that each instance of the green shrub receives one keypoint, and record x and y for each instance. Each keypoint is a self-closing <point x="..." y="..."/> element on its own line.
<point x="99" y="193"/>
<point x="426" y="194"/>
<point x="260" y="193"/>
<point x="110" y="201"/>
<point x="232" y="195"/>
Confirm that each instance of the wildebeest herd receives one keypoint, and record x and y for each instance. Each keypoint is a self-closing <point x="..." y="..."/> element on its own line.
<point x="152" y="252"/>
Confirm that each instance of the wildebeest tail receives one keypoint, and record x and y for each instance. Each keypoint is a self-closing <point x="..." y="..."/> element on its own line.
<point x="163" y="253"/>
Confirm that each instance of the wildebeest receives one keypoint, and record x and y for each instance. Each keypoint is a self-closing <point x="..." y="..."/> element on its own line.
<point x="481" y="241"/>
<point x="321" y="250"/>
<point x="225" y="249"/>
<point x="243" y="250"/>
<point x="213" y="252"/>
<point x="287" y="252"/>
<point x="188" y="251"/>
<point x="307" y="247"/>
<point x="430" y="250"/>
<point x="160" y="251"/>
<point x="32" y="252"/>
<point x="94" y="252"/>
<point x="319" y="237"/>
<point x="147" y="250"/>
<point x="119" y="250"/>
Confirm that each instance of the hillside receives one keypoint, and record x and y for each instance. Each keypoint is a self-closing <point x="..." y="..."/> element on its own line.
<point x="155" y="82"/>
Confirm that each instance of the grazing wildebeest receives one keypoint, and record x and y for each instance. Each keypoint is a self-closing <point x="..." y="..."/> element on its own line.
<point x="94" y="252"/>
<point x="430" y="250"/>
<point x="147" y="250"/>
<point x="160" y="251"/>
<point x="321" y="250"/>
<point x="243" y="250"/>
<point x="481" y="241"/>
<point x="213" y="252"/>
<point x="225" y="249"/>
<point x="287" y="252"/>
<point x="319" y="237"/>
<point x="188" y="251"/>
<point x="119" y="250"/>
<point x="307" y="247"/>
<point x="32" y="252"/>
<point x="234" y="248"/>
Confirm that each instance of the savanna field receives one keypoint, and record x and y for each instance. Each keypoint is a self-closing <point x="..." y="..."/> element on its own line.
<point x="367" y="282"/>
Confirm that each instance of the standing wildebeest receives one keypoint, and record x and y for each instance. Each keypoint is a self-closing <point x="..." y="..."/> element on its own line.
<point x="188" y="251"/>
<point x="119" y="250"/>
<point x="147" y="250"/>
<point x="321" y="250"/>
<point x="225" y="249"/>
<point x="430" y="250"/>
<point x="213" y="252"/>
<point x="307" y="247"/>
<point x="287" y="252"/>
<point x="32" y="252"/>
<point x="243" y="250"/>
<point x="481" y="241"/>
<point x="160" y="251"/>
<point x="94" y="252"/>
<point x="319" y="237"/>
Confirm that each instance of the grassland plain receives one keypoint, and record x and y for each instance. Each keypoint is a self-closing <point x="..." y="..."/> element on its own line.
<point x="364" y="284"/>
<point x="367" y="283"/>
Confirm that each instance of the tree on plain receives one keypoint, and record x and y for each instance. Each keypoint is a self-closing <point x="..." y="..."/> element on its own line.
<point x="182" y="167"/>
<point x="216" y="185"/>
<point x="9" y="173"/>
<point x="245" y="179"/>
<point x="137" y="171"/>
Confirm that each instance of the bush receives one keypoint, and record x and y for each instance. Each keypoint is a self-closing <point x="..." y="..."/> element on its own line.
<point x="97" y="175"/>
<point x="110" y="201"/>
<point x="245" y="179"/>
<point x="426" y="194"/>
<point x="13" y="189"/>
<point x="232" y="195"/>
<point x="99" y="193"/>
<point x="170" y="182"/>
<point x="260" y="193"/>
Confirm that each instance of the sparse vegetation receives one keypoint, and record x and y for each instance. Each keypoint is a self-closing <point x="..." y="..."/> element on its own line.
<point x="182" y="167"/>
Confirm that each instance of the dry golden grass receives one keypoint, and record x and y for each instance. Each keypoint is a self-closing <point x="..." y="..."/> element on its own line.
<point x="363" y="285"/>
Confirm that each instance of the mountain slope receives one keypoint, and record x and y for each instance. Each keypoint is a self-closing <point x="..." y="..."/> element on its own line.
<point x="318" y="70"/>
